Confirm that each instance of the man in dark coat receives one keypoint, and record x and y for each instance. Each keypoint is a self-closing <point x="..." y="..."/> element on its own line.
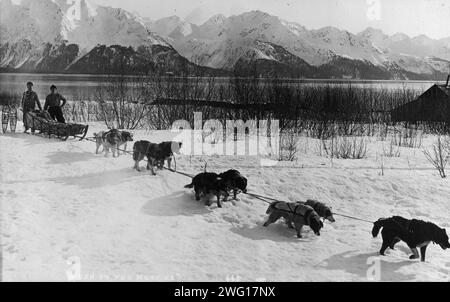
<point x="54" y="106"/>
<point x="29" y="102"/>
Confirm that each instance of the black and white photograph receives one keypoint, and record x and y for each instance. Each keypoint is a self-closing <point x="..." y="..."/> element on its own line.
<point x="237" y="141"/>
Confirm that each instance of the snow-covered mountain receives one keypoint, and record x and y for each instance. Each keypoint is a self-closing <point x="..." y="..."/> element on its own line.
<point x="170" y="27"/>
<point x="222" y="42"/>
<point x="52" y="37"/>
<point x="49" y="36"/>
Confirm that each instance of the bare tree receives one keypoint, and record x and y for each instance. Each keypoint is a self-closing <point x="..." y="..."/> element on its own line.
<point x="289" y="145"/>
<point x="124" y="101"/>
<point x="439" y="157"/>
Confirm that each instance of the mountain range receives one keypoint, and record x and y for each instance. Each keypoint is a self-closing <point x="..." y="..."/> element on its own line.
<point x="103" y="40"/>
<point x="44" y="36"/>
<point x="277" y="46"/>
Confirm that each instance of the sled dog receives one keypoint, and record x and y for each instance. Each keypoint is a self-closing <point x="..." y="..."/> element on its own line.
<point x="235" y="181"/>
<point x="415" y="233"/>
<point x="209" y="183"/>
<point x="112" y="140"/>
<point x="296" y="213"/>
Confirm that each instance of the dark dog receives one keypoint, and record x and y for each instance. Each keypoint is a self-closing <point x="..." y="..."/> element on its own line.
<point x="296" y="213"/>
<point x="167" y="151"/>
<point x="235" y="181"/>
<point x="153" y="152"/>
<point x="416" y="233"/>
<point x="209" y="183"/>
<point x="112" y="139"/>
<point x="322" y="209"/>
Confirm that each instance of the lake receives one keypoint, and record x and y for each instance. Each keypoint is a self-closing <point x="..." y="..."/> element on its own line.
<point x="75" y="86"/>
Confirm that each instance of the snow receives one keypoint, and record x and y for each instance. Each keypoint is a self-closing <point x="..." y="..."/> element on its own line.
<point x="62" y="204"/>
<point x="219" y="42"/>
<point x="48" y="21"/>
<point x="220" y="46"/>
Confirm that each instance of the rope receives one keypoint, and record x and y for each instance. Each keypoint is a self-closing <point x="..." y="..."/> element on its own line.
<point x="178" y="172"/>
<point x="256" y="196"/>
<point x="354" y="218"/>
<point x="118" y="149"/>
<point x="260" y="198"/>
<point x="265" y="198"/>
<point x="131" y="153"/>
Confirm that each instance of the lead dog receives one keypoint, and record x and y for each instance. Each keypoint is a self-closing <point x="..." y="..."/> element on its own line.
<point x="209" y="183"/>
<point x="235" y="181"/>
<point x="112" y="140"/>
<point x="415" y="233"/>
<point x="296" y="213"/>
<point x="322" y="209"/>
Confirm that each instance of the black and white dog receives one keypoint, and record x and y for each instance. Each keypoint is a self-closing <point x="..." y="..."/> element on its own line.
<point x="415" y="233"/>
<point x="156" y="154"/>
<point x="112" y="140"/>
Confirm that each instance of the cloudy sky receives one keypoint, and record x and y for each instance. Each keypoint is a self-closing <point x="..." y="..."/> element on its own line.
<point x="413" y="17"/>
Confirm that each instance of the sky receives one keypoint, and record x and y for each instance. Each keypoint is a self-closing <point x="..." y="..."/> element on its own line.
<point x="412" y="17"/>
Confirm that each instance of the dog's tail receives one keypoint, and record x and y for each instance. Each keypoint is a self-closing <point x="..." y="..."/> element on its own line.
<point x="390" y="223"/>
<point x="190" y="186"/>
<point x="377" y="226"/>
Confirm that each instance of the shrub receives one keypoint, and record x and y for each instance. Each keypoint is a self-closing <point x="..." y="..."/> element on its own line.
<point x="391" y="150"/>
<point x="289" y="145"/>
<point x="346" y="147"/>
<point x="439" y="156"/>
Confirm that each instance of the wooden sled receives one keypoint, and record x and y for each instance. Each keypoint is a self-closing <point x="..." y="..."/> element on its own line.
<point x="42" y="122"/>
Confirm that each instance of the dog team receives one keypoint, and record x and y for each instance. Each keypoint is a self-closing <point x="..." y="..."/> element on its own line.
<point x="415" y="233"/>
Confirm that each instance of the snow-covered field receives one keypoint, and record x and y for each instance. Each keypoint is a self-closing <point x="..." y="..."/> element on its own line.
<point x="67" y="213"/>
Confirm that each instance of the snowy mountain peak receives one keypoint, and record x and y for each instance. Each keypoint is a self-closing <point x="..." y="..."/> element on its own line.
<point x="165" y="26"/>
<point x="257" y="14"/>
<point x="372" y="33"/>
<point x="216" y="19"/>
<point x="399" y="37"/>
<point x="54" y="21"/>
<point x="222" y="45"/>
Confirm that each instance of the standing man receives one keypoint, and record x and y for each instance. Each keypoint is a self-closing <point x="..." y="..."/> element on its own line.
<point x="54" y="106"/>
<point x="29" y="101"/>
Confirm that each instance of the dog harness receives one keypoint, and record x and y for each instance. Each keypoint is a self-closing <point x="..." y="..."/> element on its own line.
<point x="308" y="215"/>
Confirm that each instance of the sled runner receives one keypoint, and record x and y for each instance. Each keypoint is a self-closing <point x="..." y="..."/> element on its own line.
<point x="42" y="122"/>
<point x="5" y="118"/>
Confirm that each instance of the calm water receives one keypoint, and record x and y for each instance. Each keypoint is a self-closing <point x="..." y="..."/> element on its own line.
<point x="75" y="86"/>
